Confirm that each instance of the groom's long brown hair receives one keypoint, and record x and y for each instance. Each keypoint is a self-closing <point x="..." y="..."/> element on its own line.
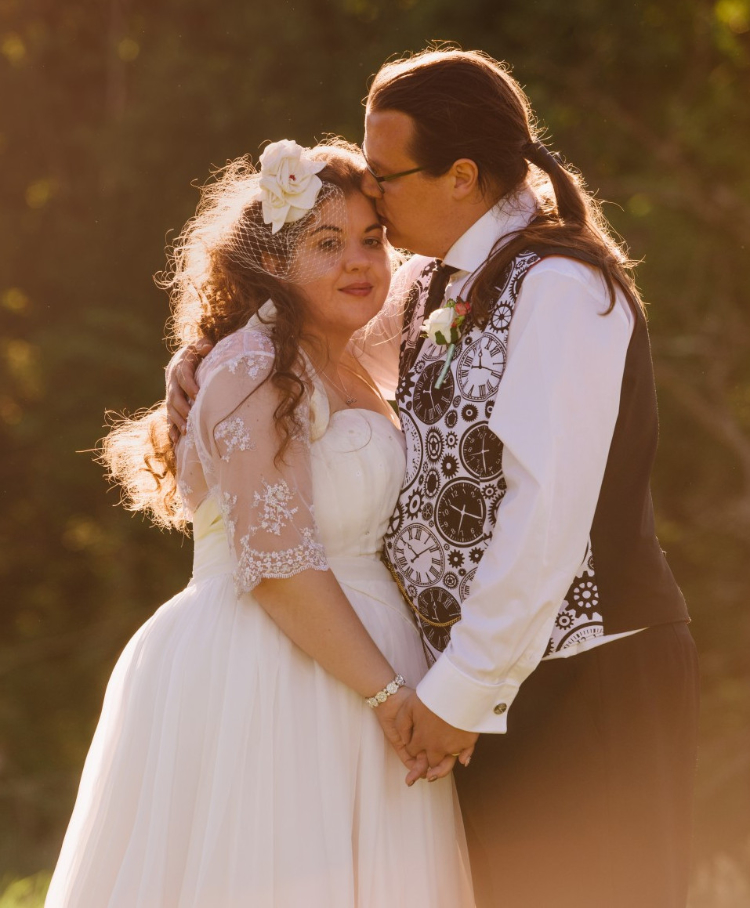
<point x="465" y="104"/>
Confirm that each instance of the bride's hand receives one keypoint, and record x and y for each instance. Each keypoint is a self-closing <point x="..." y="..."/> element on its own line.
<point x="387" y="715"/>
<point x="435" y="754"/>
<point x="181" y="385"/>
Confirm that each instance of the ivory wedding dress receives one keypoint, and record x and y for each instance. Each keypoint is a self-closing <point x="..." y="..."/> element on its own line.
<point x="228" y="769"/>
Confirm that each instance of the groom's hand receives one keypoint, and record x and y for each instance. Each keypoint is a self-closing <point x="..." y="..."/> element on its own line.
<point x="424" y="733"/>
<point x="181" y="385"/>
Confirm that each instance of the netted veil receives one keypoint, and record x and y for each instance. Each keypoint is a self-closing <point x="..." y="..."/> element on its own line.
<point x="288" y="223"/>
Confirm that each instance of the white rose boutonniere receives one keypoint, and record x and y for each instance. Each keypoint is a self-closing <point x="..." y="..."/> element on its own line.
<point x="288" y="182"/>
<point x="437" y="327"/>
<point x="444" y="327"/>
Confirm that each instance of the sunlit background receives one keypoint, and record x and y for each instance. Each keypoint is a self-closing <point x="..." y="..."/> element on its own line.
<point x="111" y="110"/>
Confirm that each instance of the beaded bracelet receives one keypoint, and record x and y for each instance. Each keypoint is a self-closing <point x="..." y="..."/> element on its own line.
<point x="382" y="695"/>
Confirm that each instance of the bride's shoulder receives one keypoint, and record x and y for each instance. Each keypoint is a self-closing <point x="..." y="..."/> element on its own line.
<point x="249" y="351"/>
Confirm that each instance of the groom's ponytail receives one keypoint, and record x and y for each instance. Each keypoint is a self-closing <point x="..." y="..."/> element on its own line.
<point x="464" y="104"/>
<point x="569" y="196"/>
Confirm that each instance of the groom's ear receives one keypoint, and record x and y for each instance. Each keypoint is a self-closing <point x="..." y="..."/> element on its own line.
<point x="465" y="174"/>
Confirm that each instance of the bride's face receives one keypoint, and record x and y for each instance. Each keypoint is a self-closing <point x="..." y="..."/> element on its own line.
<point x="354" y="288"/>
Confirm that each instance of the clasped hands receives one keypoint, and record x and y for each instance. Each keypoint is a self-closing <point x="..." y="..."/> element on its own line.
<point x="426" y="745"/>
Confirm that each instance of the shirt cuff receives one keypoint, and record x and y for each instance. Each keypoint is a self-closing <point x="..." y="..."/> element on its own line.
<point x="465" y="703"/>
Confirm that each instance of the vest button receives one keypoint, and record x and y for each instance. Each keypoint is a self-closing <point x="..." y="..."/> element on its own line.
<point x="500" y="709"/>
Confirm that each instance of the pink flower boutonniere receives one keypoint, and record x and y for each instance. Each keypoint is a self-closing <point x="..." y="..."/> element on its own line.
<point x="444" y="328"/>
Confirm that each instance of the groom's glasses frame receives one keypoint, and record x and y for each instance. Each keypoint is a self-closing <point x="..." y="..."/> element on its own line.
<point x="391" y="176"/>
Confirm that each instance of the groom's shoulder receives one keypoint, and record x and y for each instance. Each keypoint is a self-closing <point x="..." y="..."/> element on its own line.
<point x="565" y="269"/>
<point x="558" y="276"/>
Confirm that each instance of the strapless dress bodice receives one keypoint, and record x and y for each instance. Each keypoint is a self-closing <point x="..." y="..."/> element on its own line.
<point x="357" y="468"/>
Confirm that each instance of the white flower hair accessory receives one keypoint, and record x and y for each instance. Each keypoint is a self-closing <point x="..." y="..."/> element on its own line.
<point x="283" y="192"/>
<point x="289" y="186"/>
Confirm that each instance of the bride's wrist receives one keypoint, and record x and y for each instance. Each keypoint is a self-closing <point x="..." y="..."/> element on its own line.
<point x="388" y="711"/>
<point x="388" y="691"/>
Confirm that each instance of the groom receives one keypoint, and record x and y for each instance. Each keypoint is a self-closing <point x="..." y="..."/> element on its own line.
<point x="524" y="534"/>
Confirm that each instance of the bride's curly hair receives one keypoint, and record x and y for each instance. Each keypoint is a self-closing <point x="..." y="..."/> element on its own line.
<point x="213" y="293"/>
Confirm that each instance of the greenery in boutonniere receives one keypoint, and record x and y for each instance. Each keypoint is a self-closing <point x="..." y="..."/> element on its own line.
<point x="444" y="328"/>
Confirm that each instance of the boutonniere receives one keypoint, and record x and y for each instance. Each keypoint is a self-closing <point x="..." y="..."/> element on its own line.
<point x="444" y="328"/>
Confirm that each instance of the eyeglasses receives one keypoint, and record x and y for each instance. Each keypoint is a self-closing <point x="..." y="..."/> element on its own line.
<point x="391" y="176"/>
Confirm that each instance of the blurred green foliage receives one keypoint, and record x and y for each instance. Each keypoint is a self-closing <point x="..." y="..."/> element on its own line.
<point x="111" y="109"/>
<point x="28" y="892"/>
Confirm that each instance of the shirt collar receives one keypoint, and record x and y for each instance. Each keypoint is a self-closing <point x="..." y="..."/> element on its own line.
<point x="511" y="214"/>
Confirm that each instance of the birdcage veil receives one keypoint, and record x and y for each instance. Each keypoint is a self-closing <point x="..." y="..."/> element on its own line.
<point x="289" y="223"/>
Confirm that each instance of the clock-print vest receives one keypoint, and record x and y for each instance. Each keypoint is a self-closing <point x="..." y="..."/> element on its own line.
<point x="454" y="484"/>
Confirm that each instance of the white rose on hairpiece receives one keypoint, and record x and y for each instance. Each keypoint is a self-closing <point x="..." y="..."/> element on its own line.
<point x="288" y="183"/>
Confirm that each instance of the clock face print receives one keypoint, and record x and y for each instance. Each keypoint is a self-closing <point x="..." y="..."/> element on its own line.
<point x="432" y="351"/>
<point x="439" y="606"/>
<point x="409" y="334"/>
<point x="480" y="368"/>
<point x="418" y="555"/>
<point x="430" y="403"/>
<point x="413" y="447"/>
<point x="482" y="452"/>
<point x="460" y="512"/>
<point x="463" y="590"/>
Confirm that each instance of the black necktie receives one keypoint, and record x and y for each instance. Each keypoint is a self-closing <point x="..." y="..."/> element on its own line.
<point x="435" y="293"/>
<point x="438" y="282"/>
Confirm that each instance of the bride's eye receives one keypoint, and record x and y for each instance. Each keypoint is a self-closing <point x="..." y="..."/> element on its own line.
<point x="374" y="242"/>
<point x="330" y="244"/>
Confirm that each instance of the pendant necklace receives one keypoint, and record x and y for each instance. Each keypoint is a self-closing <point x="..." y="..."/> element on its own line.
<point x="340" y="389"/>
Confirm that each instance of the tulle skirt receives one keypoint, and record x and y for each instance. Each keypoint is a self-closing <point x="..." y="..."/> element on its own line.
<point x="228" y="769"/>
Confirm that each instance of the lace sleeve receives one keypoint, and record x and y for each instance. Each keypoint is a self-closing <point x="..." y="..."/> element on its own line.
<point x="266" y="505"/>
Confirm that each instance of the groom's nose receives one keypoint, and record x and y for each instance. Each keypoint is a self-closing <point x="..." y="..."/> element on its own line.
<point x="370" y="187"/>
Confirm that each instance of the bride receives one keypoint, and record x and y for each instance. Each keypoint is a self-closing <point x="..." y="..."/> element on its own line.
<point x="240" y="758"/>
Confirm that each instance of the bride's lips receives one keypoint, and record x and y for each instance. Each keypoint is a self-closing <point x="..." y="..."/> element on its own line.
<point x="360" y="288"/>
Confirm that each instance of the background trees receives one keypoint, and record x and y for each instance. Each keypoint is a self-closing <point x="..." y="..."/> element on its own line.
<point x="112" y="108"/>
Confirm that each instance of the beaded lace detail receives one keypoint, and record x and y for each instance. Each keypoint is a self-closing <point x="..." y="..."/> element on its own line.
<point x="255" y="565"/>
<point x="227" y="504"/>
<point x="230" y="455"/>
<point x="235" y="437"/>
<point x="275" y="501"/>
<point x="252" y="366"/>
